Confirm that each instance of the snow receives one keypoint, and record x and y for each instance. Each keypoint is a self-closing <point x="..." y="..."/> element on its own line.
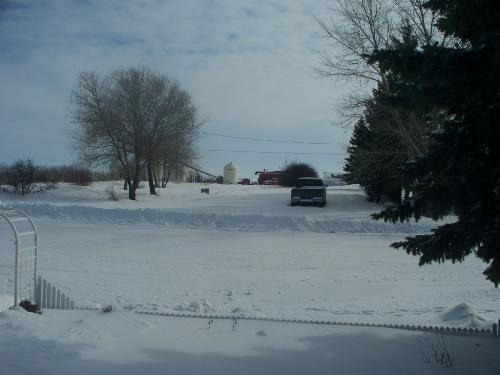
<point x="262" y="333"/>
<point x="5" y="302"/>
<point x="238" y="251"/>
<point x="227" y="207"/>
<point x="121" y="343"/>
<point x="463" y="314"/>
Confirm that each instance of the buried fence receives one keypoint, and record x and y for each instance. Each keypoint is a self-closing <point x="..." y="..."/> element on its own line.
<point x="494" y="332"/>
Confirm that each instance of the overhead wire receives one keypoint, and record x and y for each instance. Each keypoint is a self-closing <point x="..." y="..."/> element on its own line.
<point x="282" y="141"/>
<point x="265" y="139"/>
<point x="301" y="153"/>
<point x="276" y="152"/>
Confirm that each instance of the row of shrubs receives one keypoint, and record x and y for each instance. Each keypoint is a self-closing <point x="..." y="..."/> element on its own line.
<point x="24" y="177"/>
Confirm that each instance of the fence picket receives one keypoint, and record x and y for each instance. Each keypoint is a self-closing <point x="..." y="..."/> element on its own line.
<point x="49" y="297"/>
<point x="38" y="291"/>
<point x="53" y="297"/>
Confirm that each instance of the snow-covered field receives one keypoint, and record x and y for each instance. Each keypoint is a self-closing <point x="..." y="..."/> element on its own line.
<point x="240" y="250"/>
<point x="227" y="207"/>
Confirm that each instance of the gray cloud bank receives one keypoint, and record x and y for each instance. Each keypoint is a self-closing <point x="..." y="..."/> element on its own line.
<point x="248" y="65"/>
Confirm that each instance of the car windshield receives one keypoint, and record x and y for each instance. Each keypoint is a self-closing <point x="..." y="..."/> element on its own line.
<point x="309" y="182"/>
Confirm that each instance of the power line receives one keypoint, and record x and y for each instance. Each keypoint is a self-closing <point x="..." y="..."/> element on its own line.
<point x="277" y="152"/>
<point x="301" y="153"/>
<point x="265" y="139"/>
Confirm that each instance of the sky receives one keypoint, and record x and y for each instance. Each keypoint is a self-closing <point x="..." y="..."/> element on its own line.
<point x="249" y="66"/>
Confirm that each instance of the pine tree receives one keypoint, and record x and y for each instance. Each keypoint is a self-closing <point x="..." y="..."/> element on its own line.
<point x="460" y="172"/>
<point x="359" y="142"/>
<point x="376" y="153"/>
<point x="389" y="135"/>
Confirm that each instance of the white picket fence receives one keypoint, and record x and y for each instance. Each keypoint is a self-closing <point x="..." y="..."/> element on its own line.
<point x="47" y="296"/>
<point x="436" y="329"/>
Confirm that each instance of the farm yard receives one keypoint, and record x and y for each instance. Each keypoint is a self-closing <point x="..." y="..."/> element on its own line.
<point x="134" y="241"/>
<point x="239" y="251"/>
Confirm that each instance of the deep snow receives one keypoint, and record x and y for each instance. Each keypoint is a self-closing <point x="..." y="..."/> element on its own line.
<point x="121" y="343"/>
<point x="241" y="250"/>
<point x="227" y="207"/>
<point x="342" y="276"/>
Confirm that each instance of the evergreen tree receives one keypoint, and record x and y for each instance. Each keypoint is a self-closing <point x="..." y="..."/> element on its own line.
<point x="359" y="142"/>
<point x="372" y="162"/>
<point x="377" y="152"/>
<point x="460" y="172"/>
<point x="390" y="134"/>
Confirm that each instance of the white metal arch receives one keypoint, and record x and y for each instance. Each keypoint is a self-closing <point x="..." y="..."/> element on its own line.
<point x="26" y="248"/>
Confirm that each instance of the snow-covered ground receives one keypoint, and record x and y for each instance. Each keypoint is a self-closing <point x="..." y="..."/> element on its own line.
<point x="123" y="343"/>
<point x="227" y="207"/>
<point x="240" y="250"/>
<point x="347" y="277"/>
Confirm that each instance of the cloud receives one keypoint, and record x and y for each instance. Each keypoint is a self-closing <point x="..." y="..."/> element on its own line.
<point x="247" y="64"/>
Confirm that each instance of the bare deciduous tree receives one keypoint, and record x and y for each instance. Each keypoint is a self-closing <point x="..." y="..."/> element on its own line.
<point x="422" y="20"/>
<point x="354" y="31"/>
<point x="128" y="116"/>
<point x="175" y="142"/>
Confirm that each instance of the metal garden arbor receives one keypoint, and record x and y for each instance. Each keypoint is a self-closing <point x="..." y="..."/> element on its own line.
<point x="26" y="252"/>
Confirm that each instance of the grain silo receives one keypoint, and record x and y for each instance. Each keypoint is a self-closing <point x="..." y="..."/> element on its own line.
<point x="231" y="172"/>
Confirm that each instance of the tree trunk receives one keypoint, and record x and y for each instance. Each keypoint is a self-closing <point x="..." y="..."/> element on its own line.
<point x="394" y="194"/>
<point x="406" y="194"/>
<point x="167" y="177"/>
<point x="164" y="174"/>
<point x="152" y="189"/>
<point x="131" y="192"/>
<point x="156" y="172"/>
<point x="126" y="183"/>
<point x="133" y="186"/>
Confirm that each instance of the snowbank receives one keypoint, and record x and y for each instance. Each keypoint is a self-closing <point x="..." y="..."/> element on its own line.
<point x="221" y="221"/>
<point x="464" y="314"/>
<point x="227" y="207"/>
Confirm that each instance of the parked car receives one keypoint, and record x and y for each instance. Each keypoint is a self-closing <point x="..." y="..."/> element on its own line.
<point x="309" y="190"/>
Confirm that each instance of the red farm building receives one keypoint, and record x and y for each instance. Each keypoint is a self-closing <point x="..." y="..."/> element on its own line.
<point x="269" y="178"/>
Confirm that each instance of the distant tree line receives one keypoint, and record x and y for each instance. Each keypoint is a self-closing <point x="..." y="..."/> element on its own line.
<point x="24" y="177"/>
<point x="136" y="119"/>
<point x="426" y="136"/>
